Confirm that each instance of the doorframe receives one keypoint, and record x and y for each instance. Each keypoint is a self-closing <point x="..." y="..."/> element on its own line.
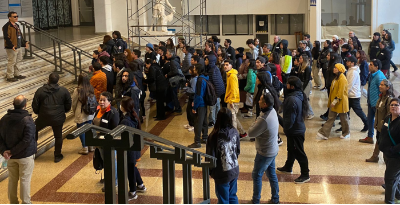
<point x="79" y="12"/>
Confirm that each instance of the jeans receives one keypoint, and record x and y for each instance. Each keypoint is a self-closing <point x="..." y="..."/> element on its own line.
<point x="393" y="65"/>
<point x="214" y="111"/>
<point x="82" y="136"/>
<point x="371" y="120"/>
<point x="226" y="193"/>
<point x="200" y="124"/>
<point x="307" y="91"/>
<point x="264" y="165"/>
<point x="134" y="177"/>
<point x="20" y="170"/>
<point x="355" y="104"/>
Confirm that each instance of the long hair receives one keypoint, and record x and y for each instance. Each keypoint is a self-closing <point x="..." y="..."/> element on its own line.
<point x="292" y="80"/>
<point x="106" y="39"/>
<point x="363" y="56"/>
<point x="317" y="45"/>
<point x="129" y="56"/>
<point x="275" y="58"/>
<point x="84" y="88"/>
<point x="129" y="107"/>
<point x="252" y="64"/>
<point x="333" y="60"/>
<point x="224" y="120"/>
<point x="390" y="86"/>
<point x="265" y="81"/>
<point x="305" y="63"/>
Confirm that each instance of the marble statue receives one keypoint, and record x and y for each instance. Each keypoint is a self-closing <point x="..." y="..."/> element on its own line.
<point x="159" y="13"/>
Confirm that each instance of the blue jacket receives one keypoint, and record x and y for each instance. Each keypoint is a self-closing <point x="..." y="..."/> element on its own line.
<point x="200" y="92"/>
<point x="374" y="81"/>
<point x="364" y="71"/>
<point x="215" y="76"/>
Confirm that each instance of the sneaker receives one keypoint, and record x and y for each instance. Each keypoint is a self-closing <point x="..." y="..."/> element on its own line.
<point x="248" y="115"/>
<point x="20" y="77"/>
<point x="373" y="159"/>
<point x="310" y="117"/>
<point x="12" y="79"/>
<point x="345" y="137"/>
<point x="271" y="202"/>
<point x="190" y="129"/>
<point x="91" y="148"/>
<point x="243" y="135"/>
<point x="323" y="117"/>
<point x="302" y="180"/>
<point x="186" y="126"/>
<point x="132" y="196"/>
<point x="365" y="129"/>
<point x="284" y="170"/>
<point x="203" y="141"/>
<point x="321" y="136"/>
<point x="177" y="113"/>
<point x="332" y="125"/>
<point x="141" y="188"/>
<point x="280" y="142"/>
<point x="195" y="145"/>
<point x="338" y="130"/>
<point x="84" y="151"/>
<point x="58" y="158"/>
<point x="210" y="125"/>
<point x="368" y="140"/>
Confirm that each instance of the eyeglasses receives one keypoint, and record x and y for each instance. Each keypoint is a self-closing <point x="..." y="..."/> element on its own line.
<point x="394" y="105"/>
<point x="14" y="17"/>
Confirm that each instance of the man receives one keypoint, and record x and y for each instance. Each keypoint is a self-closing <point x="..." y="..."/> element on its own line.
<point x="308" y="41"/>
<point x="276" y="45"/>
<point x="50" y="103"/>
<point x="161" y="52"/>
<point x="232" y="96"/>
<point x="98" y="80"/>
<point x="373" y="49"/>
<point x="18" y="145"/>
<point x="215" y="76"/>
<point x="265" y="130"/>
<point x="187" y="61"/>
<point x="107" y="69"/>
<point x="230" y="51"/>
<point x="119" y="68"/>
<point x="13" y="41"/>
<point x="375" y="79"/>
<point x="345" y="54"/>
<point x="354" y="89"/>
<point x="200" y="108"/>
<point x="199" y="53"/>
<point x="253" y="48"/>
<point x="162" y="43"/>
<point x="384" y="32"/>
<point x="150" y="54"/>
<point x="385" y="57"/>
<point x="174" y="70"/>
<point x="119" y="42"/>
<point x="294" y="128"/>
<point x="267" y="50"/>
<point x="353" y="35"/>
<point x="129" y="88"/>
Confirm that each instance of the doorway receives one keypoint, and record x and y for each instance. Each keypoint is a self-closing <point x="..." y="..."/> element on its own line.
<point x="86" y="12"/>
<point x="50" y="14"/>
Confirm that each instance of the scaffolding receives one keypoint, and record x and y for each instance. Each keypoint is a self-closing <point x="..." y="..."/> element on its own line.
<point x="193" y="33"/>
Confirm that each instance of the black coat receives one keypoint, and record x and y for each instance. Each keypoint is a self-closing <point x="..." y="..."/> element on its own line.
<point x="17" y="134"/>
<point x="374" y="49"/>
<point x="110" y="47"/>
<point x="50" y="103"/>
<point x="323" y="61"/>
<point x="156" y="76"/>
<point x="175" y="66"/>
<point x="305" y="76"/>
<point x="385" y="56"/>
<point x="385" y="143"/>
<point x="231" y="54"/>
<point x="151" y="56"/>
<point x="110" y="80"/>
<point x="126" y="120"/>
<point x="293" y="122"/>
<point x="110" y="119"/>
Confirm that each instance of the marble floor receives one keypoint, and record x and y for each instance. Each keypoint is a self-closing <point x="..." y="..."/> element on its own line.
<point x="338" y="171"/>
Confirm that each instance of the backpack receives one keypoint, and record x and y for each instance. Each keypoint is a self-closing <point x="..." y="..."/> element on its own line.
<point x="91" y="105"/>
<point x="97" y="160"/>
<point x="119" y="46"/>
<point x="210" y="98"/>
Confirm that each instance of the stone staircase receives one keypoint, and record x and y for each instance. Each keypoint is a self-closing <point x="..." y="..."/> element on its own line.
<point x="37" y="71"/>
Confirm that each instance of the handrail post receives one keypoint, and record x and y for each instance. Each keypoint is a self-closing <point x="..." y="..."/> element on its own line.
<point x="206" y="183"/>
<point x="80" y="62"/>
<point x="59" y="53"/>
<point x="76" y="74"/>
<point x="165" y="173"/>
<point x="55" y="56"/>
<point x="187" y="183"/>
<point x="30" y="42"/>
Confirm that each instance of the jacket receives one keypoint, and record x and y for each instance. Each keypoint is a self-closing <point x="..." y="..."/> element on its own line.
<point x="150" y="55"/>
<point x="382" y="111"/>
<point x="293" y="122"/>
<point x="322" y="57"/>
<point x="175" y="67"/>
<point x="339" y="91"/>
<point x="243" y="69"/>
<point x="391" y="46"/>
<point x="230" y="52"/>
<point x="191" y="89"/>
<point x="107" y="69"/>
<point x="364" y="71"/>
<point x="110" y="118"/>
<point x="139" y="78"/>
<point x="110" y="46"/>
<point x="251" y="81"/>
<point x="285" y="51"/>
<point x="11" y="37"/>
<point x="232" y="87"/>
<point x="215" y="76"/>
<point x="80" y="116"/>
<point x="50" y="103"/>
<point x="335" y="46"/>
<point x="374" y="81"/>
<point x="315" y="53"/>
<point x="305" y="76"/>
<point x="181" y="55"/>
<point x="254" y="52"/>
<point x="186" y="64"/>
<point x="239" y="61"/>
<point x="157" y="78"/>
<point x="385" y="56"/>
<point x="225" y="146"/>
<point x="133" y="92"/>
<point x="265" y="130"/>
<point x="353" y="82"/>
<point x="374" y="49"/>
<point x="386" y="145"/>
<point x="18" y="134"/>
<point x="121" y="45"/>
<point x="358" y="43"/>
<point x="201" y="86"/>
<point x="118" y="85"/>
<point x="276" y="47"/>
<point x="127" y="120"/>
<point x="99" y="83"/>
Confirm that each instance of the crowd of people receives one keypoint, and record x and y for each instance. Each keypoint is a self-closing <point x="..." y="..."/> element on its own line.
<point x="217" y="83"/>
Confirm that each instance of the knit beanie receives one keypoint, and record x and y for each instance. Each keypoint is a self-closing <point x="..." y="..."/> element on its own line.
<point x="340" y="67"/>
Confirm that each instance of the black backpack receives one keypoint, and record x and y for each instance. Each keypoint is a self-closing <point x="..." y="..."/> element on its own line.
<point x="91" y="105"/>
<point x="210" y="98"/>
<point x="97" y="160"/>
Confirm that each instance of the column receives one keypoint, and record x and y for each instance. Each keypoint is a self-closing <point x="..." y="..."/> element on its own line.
<point x="315" y="19"/>
<point x="102" y="16"/>
<point x="75" y="12"/>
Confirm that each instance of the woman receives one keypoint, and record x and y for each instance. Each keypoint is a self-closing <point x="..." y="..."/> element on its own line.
<point x="249" y="88"/>
<point x="130" y="118"/>
<point x="353" y="47"/>
<point x="305" y="77"/>
<point x="179" y="50"/>
<point x="316" y="66"/>
<point x="382" y="111"/>
<point x="109" y="42"/>
<point x="170" y="44"/>
<point x="275" y="59"/>
<point x="391" y="46"/>
<point x="338" y="105"/>
<point x="333" y="58"/>
<point x="224" y="144"/>
<point x="363" y="64"/>
<point x="79" y="98"/>
<point x="257" y="44"/>
<point x="389" y="140"/>
<point x="335" y="43"/>
<point x="128" y="54"/>
<point x="323" y="60"/>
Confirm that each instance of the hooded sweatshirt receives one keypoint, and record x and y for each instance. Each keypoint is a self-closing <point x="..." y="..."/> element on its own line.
<point x="232" y="87"/>
<point x="353" y="82"/>
<point x="110" y="77"/>
<point x="225" y="146"/>
<point x="215" y="76"/>
<point x="285" y="51"/>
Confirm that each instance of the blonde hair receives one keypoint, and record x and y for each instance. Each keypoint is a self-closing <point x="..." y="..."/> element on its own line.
<point x="306" y="62"/>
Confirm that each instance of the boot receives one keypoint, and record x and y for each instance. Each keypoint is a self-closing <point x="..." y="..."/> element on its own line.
<point x="375" y="155"/>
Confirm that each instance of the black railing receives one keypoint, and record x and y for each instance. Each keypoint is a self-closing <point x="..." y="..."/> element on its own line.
<point x="124" y="138"/>
<point x="58" y="62"/>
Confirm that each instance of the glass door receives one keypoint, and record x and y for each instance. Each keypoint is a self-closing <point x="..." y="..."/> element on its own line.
<point x="86" y="12"/>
